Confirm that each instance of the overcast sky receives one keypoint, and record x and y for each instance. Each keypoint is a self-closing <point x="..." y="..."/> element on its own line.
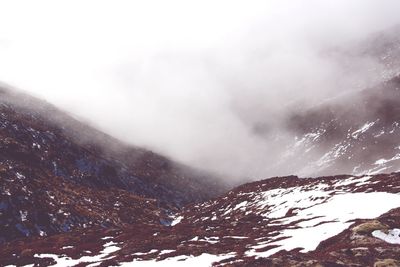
<point x="185" y="78"/>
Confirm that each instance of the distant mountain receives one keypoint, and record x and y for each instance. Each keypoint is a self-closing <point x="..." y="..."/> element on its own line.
<point x="357" y="133"/>
<point x="58" y="174"/>
<point x="288" y="221"/>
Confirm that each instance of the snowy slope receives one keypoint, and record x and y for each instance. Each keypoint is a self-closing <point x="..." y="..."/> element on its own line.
<point x="356" y="134"/>
<point x="283" y="220"/>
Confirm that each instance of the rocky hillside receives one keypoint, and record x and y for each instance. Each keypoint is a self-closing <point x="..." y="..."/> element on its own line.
<point x="358" y="133"/>
<point x="56" y="175"/>
<point x="355" y="132"/>
<point x="288" y="221"/>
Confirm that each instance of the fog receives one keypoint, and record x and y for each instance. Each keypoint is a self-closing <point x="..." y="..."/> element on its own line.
<point x="191" y="80"/>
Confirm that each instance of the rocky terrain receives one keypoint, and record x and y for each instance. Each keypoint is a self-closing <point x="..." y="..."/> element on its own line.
<point x="357" y="134"/>
<point x="56" y="177"/>
<point x="288" y="221"/>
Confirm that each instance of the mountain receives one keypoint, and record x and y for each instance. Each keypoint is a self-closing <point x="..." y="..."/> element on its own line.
<point x="286" y="221"/>
<point x="71" y="195"/>
<point x="58" y="174"/>
<point x="357" y="133"/>
<point x="353" y="131"/>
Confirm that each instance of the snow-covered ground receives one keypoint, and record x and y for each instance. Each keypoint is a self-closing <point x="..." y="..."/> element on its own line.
<point x="327" y="219"/>
<point x="319" y="211"/>
<point x="63" y="261"/>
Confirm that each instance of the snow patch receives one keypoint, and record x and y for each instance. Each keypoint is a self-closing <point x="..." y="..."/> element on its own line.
<point x="325" y="219"/>
<point x="241" y="206"/>
<point x="384" y="161"/>
<point x="62" y="260"/>
<point x="145" y="253"/>
<point x="392" y="237"/>
<point x="176" y="220"/>
<point x="357" y="181"/>
<point x="363" y="129"/>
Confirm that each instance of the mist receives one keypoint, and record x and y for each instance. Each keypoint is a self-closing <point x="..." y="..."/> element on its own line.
<point x="192" y="80"/>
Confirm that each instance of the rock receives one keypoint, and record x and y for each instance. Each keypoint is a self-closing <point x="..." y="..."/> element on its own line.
<point x="360" y="252"/>
<point x="387" y="263"/>
<point x="27" y="253"/>
<point x="368" y="227"/>
<point x="311" y="263"/>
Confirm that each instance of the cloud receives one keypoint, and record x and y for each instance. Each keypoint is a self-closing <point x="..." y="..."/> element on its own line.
<point x="189" y="79"/>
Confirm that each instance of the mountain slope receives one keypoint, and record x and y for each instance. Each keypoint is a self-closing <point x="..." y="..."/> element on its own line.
<point x="57" y="174"/>
<point x="286" y="221"/>
<point x="355" y="134"/>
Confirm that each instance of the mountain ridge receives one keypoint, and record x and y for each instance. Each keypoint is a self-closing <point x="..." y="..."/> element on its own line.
<point x="51" y="183"/>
